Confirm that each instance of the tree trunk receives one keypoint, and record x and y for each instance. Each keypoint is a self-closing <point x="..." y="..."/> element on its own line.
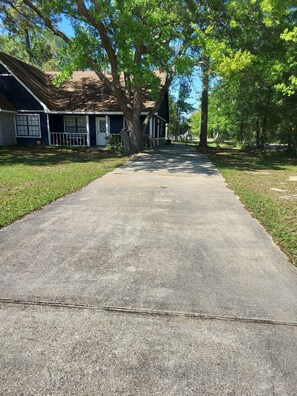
<point x="294" y="140"/>
<point x="28" y="45"/>
<point x="241" y="132"/>
<point x="289" y="139"/>
<point x="136" y="133"/>
<point x="258" y="133"/>
<point x="204" y="106"/>
<point x="264" y="133"/>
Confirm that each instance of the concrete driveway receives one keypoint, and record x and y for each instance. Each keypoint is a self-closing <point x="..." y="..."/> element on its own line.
<point x="153" y="280"/>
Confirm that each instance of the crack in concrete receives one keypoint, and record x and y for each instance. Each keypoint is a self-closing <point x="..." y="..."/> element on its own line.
<point x="151" y="312"/>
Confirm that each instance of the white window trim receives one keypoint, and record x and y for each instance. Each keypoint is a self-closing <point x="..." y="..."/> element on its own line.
<point x="26" y="136"/>
<point x="88" y="130"/>
<point x="74" y="116"/>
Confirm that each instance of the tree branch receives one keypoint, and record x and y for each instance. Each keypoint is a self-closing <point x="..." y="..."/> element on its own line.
<point x="47" y="21"/>
<point x="99" y="26"/>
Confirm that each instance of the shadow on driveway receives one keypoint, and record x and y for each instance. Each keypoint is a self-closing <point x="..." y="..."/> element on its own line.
<point x="175" y="159"/>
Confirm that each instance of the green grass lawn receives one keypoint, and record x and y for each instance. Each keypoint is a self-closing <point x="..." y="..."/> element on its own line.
<point x="32" y="177"/>
<point x="267" y="185"/>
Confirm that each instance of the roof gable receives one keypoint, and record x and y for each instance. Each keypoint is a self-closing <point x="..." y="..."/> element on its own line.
<point x="32" y="78"/>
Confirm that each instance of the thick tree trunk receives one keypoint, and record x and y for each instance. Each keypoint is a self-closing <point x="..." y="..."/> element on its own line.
<point x="204" y="106"/>
<point x="136" y="133"/>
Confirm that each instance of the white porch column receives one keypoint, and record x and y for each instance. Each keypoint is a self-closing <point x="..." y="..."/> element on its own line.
<point x="107" y="125"/>
<point x="151" y="128"/>
<point x="48" y="129"/>
<point x="88" y="130"/>
<point x="154" y="131"/>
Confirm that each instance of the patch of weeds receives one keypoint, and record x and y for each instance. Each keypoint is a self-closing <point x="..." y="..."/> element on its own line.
<point x="114" y="143"/>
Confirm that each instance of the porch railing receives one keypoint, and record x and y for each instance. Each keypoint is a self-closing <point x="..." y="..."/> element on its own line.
<point x="81" y="139"/>
<point x="69" y="139"/>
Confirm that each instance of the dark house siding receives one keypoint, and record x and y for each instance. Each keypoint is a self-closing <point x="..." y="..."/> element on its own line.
<point x="116" y="123"/>
<point x="56" y="122"/>
<point x="162" y="129"/>
<point x="17" y="95"/>
<point x="92" y="125"/>
<point x="164" y="108"/>
<point x="147" y="131"/>
<point x="156" y="127"/>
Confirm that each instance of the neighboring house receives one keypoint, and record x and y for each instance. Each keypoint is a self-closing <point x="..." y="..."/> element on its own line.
<point x="81" y="112"/>
<point x="187" y="136"/>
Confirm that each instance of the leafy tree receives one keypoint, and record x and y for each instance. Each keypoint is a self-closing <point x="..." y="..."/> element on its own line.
<point x="195" y="123"/>
<point x="243" y="42"/>
<point x="26" y="41"/>
<point x="257" y="70"/>
<point x="130" y="39"/>
<point x="212" y="49"/>
<point x="288" y="66"/>
<point x="43" y="50"/>
<point x="179" y="110"/>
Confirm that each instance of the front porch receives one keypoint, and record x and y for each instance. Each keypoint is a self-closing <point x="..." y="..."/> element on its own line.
<point x="81" y="130"/>
<point x="97" y="130"/>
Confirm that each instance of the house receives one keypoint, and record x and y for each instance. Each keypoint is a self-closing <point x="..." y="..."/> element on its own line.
<point x="81" y="112"/>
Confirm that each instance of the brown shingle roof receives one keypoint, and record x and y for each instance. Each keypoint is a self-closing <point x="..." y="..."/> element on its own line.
<point x="5" y="105"/>
<point x="84" y="92"/>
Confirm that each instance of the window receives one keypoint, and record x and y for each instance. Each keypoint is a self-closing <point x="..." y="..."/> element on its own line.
<point x="102" y="126"/>
<point x="28" y="125"/>
<point x="75" y="124"/>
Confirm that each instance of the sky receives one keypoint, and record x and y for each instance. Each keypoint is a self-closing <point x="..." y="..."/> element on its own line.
<point x="66" y="27"/>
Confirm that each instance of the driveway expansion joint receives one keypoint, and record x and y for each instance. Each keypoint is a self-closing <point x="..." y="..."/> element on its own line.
<point x="149" y="312"/>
